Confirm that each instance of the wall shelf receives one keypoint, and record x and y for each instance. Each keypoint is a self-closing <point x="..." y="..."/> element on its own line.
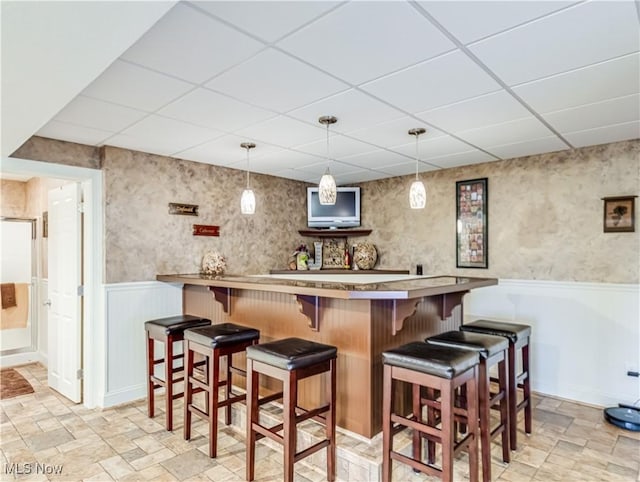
<point x="339" y="271"/>
<point x="334" y="233"/>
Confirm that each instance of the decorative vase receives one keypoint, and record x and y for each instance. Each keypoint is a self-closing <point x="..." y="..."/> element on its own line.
<point x="213" y="264"/>
<point x="302" y="260"/>
<point x="365" y="255"/>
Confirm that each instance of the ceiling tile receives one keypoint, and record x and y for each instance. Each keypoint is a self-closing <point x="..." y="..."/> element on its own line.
<point x="472" y="20"/>
<point x="600" y="114"/>
<point x="376" y="159"/>
<point x="284" y="131"/>
<point x="214" y="110"/>
<point x="406" y="168"/>
<point x="393" y="133"/>
<point x="529" y="147"/>
<point x="462" y="159"/>
<point x="352" y="108"/>
<point x="364" y="40"/>
<point x="603" y="135"/>
<point x="73" y="133"/>
<point x="267" y="20"/>
<point x="97" y="114"/>
<point x="337" y="169"/>
<point x="364" y="175"/>
<point x="493" y="108"/>
<point x="450" y="78"/>
<point x="175" y="136"/>
<point x="569" y="39"/>
<point x="296" y="175"/>
<point x="226" y="150"/>
<point x="190" y="45"/>
<point x="506" y="133"/>
<point x="280" y="160"/>
<point x="135" y="87"/>
<point x="606" y="80"/>
<point x="339" y="147"/>
<point x="433" y="147"/>
<point x="273" y="80"/>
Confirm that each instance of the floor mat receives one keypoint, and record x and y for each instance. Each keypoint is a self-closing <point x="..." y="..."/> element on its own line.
<point x="12" y="384"/>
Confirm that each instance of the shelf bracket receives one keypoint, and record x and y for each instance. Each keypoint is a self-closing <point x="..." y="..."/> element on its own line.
<point x="449" y="302"/>
<point x="400" y="311"/>
<point x="222" y="296"/>
<point x="309" y="306"/>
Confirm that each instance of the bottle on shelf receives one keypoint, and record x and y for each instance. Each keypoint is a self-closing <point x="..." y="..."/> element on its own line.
<point x="347" y="257"/>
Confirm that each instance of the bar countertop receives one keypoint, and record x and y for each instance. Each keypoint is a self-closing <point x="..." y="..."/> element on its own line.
<point x="346" y="286"/>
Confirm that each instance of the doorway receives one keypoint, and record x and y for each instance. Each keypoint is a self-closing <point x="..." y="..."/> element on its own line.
<point x="93" y="334"/>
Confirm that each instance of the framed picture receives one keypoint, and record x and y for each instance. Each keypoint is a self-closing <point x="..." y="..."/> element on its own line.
<point x="619" y="214"/>
<point x="472" y="224"/>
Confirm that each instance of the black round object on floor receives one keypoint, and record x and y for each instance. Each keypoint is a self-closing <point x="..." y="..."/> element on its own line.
<point x="623" y="417"/>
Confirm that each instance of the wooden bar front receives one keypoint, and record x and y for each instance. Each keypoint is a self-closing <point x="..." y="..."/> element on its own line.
<point x="361" y="329"/>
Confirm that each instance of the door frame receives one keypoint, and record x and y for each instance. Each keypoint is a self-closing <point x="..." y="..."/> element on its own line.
<point x="93" y="327"/>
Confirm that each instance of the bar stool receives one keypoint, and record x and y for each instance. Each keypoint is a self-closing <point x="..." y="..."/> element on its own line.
<point x="492" y="350"/>
<point x="439" y="369"/>
<point x="291" y="360"/>
<point x="518" y="336"/>
<point x="214" y="342"/>
<point x="167" y="330"/>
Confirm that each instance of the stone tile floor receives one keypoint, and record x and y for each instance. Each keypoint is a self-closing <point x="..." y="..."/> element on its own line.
<point x="571" y="442"/>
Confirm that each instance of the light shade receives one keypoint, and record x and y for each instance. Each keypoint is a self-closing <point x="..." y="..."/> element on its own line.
<point x="248" y="202"/>
<point x="327" y="191"/>
<point x="417" y="195"/>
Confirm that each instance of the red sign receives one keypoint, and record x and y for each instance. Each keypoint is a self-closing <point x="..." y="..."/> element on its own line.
<point x="205" y="230"/>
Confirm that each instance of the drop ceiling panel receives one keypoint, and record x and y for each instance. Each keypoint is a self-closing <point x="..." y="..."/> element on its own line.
<point x="605" y="80"/>
<point x="337" y="168"/>
<point x="506" y="133"/>
<point x="361" y="176"/>
<point x="267" y="20"/>
<point x="280" y="160"/>
<point x="450" y="78"/>
<point x="393" y="133"/>
<point x="284" y="131"/>
<point x="225" y="151"/>
<point x="462" y="159"/>
<point x="132" y="86"/>
<point x="210" y="109"/>
<point x="600" y="114"/>
<point x="569" y="39"/>
<point x="406" y="168"/>
<point x="273" y="80"/>
<point x="493" y="108"/>
<point x="376" y="159"/>
<point x="161" y="146"/>
<point x="339" y="147"/>
<point x="88" y="112"/>
<point x="430" y="148"/>
<point x="602" y="135"/>
<point x="352" y="108"/>
<point x="528" y="148"/>
<point x="73" y="133"/>
<point x="364" y="40"/>
<point x="176" y="136"/>
<point x="190" y="45"/>
<point x="472" y="20"/>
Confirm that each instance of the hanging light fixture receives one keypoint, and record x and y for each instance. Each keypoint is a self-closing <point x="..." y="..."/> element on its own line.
<point x="417" y="193"/>
<point x="327" y="191"/>
<point x="248" y="199"/>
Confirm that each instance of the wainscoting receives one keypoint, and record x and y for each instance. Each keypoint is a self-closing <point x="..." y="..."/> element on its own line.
<point x="585" y="336"/>
<point x="128" y="306"/>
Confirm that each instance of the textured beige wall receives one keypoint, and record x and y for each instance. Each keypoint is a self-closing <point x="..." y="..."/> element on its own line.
<point x="545" y="217"/>
<point x="13" y="198"/>
<point x="59" y="152"/>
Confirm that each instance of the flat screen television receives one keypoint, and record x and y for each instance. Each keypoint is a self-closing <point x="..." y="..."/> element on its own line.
<point x="345" y="213"/>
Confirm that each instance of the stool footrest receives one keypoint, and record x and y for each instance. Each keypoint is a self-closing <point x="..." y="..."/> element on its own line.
<point x="310" y="450"/>
<point x="270" y="398"/>
<point x="424" y="468"/>
<point x="415" y="425"/>
<point x="307" y="414"/>
<point x="271" y="432"/>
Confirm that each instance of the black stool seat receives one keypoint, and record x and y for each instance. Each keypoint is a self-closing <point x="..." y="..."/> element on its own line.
<point x="485" y="345"/>
<point x="512" y="331"/>
<point x="173" y="324"/>
<point x="434" y="360"/>
<point x="221" y="335"/>
<point x="292" y="353"/>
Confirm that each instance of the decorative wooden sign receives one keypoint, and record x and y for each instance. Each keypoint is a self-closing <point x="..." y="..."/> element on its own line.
<point x="183" y="209"/>
<point x="206" y="230"/>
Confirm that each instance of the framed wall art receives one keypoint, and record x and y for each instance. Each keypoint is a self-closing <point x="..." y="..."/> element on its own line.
<point x="472" y="224"/>
<point x="619" y="214"/>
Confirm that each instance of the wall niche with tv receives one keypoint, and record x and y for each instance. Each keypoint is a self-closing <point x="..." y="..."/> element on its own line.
<point x="341" y="219"/>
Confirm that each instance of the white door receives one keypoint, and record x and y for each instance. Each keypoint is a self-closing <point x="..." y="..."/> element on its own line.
<point x="64" y="264"/>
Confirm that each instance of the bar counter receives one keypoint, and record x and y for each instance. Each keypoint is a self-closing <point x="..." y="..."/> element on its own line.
<point x="361" y="314"/>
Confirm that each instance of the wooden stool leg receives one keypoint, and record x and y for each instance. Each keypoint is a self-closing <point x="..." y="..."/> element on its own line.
<point x="504" y="410"/>
<point x="484" y="396"/>
<point x="330" y="422"/>
<point x="168" y="376"/>
<point x="387" y="407"/>
<point x="290" y="400"/>
<point x="513" y="398"/>
<point x="188" y="390"/>
<point x="447" y="396"/>
<point x="214" y="379"/>
<point x="472" y="426"/>
<point x="431" y="421"/>
<point x="417" y="413"/>
<point x="150" y="373"/>
<point x="251" y="417"/>
<point x="227" y="390"/>
<point x="526" y="388"/>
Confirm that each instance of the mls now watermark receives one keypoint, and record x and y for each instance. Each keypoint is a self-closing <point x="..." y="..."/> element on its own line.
<point x="32" y="468"/>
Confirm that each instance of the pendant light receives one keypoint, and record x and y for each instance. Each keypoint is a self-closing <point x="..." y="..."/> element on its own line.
<point x="248" y="199"/>
<point x="327" y="191"/>
<point x="417" y="193"/>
